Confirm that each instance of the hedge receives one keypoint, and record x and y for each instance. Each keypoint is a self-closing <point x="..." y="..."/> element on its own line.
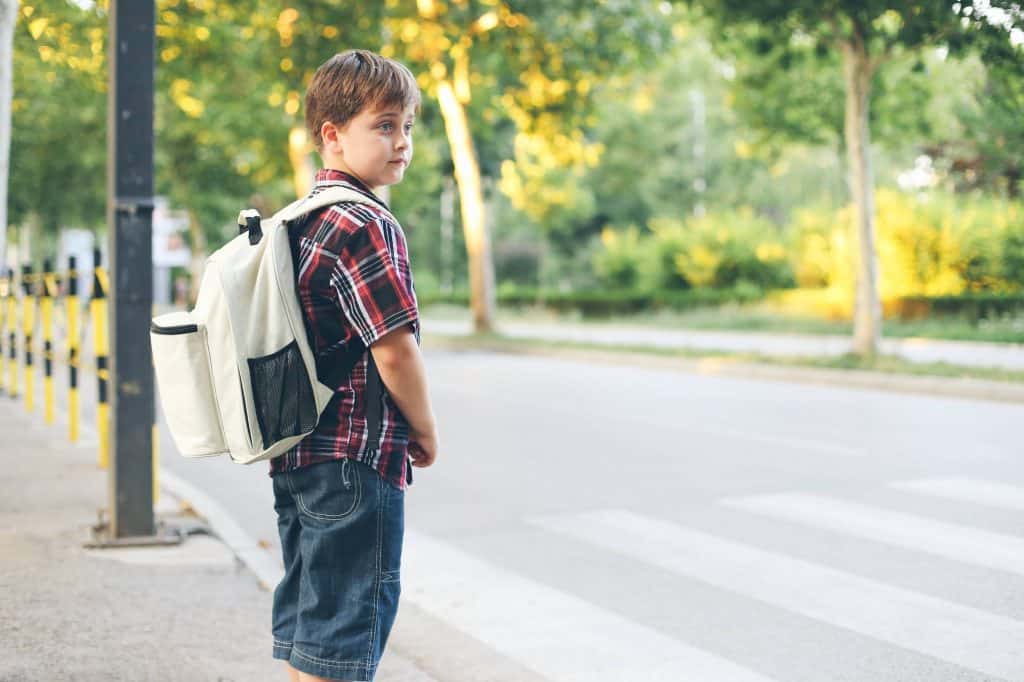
<point x="971" y="307"/>
<point x="607" y="303"/>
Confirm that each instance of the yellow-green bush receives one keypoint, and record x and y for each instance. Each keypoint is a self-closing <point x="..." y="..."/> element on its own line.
<point x="619" y="260"/>
<point x="722" y="250"/>
<point x="927" y="245"/>
<point x="932" y="245"/>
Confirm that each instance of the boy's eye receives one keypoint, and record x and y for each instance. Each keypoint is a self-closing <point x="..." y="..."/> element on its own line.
<point x="387" y="126"/>
<point x="408" y="127"/>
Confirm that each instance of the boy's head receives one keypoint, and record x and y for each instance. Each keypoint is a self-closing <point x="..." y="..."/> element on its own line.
<point x="360" y="109"/>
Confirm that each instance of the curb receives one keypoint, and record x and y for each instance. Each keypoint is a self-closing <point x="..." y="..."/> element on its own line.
<point x="971" y="389"/>
<point x="248" y="551"/>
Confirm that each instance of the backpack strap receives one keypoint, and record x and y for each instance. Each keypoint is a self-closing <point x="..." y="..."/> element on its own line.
<point x="321" y="196"/>
<point x="325" y="195"/>
<point x="374" y="403"/>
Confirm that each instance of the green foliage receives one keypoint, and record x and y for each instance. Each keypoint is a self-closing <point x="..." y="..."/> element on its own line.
<point x="569" y="106"/>
<point x="619" y="264"/>
<point x="930" y="245"/>
<point x="993" y="122"/>
<point x="58" y="141"/>
<point x="728" y="250"/>
<point x="718" y="251"/>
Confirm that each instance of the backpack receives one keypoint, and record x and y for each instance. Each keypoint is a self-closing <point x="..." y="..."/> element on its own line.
<point x="237" y="375"/>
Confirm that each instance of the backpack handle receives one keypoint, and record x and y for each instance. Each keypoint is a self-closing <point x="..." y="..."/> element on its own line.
<point x="249" y="221"/>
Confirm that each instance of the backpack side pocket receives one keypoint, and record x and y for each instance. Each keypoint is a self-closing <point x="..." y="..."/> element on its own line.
<point x="283" y="395"/>
<point x="181" y="358"/>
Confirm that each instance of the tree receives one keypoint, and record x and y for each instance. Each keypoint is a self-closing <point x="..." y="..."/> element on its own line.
<point x="8" y="13"/>
<point x="866" y="34"/>
<point x="531" y="61"/>
<point x="58" y="116"/>
<point x="991" y="153"/>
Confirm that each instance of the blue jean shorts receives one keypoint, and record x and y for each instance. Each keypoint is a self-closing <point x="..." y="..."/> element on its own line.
<point x="341" y="528"/>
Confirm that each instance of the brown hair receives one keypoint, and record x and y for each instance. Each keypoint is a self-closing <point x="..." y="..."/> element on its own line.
<point x="351" y="81"/>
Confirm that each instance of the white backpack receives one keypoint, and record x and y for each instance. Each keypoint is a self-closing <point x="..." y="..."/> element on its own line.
<point x="237" y="375"/>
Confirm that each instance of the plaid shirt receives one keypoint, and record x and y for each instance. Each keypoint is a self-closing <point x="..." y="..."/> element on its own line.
<point x="355" y="286"/>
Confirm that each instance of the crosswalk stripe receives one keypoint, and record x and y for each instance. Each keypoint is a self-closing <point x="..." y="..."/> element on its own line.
<point x="553" y="633"/>
<point x="948" y="540"/>
<point x="951" y="632"/>
<point x="985" y="493"/>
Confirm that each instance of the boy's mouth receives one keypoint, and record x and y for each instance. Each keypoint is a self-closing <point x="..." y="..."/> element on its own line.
<point x="404" y="162"/>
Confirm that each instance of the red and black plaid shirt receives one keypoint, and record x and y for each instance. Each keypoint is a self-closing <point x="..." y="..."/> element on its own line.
<point x="355" y="286"/>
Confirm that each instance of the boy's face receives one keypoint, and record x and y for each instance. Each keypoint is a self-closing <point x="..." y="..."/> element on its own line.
<point x="375" y="146"/>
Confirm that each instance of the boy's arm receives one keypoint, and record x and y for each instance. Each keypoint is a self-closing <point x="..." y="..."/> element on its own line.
<point x="401" y="368"/>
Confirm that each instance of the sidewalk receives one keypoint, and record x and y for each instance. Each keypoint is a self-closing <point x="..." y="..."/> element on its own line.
<point x="190" y="612"/>
<point x="964" y="353"/>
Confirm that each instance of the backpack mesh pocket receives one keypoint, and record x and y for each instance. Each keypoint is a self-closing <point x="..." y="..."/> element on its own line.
<point x="282" y="394"/>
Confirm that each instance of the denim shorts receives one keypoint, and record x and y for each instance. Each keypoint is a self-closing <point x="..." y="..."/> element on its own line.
<point x="341" y="528"/>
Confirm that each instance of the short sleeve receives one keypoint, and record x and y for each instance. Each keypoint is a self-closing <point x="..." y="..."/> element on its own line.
<point x="373" y="281"/>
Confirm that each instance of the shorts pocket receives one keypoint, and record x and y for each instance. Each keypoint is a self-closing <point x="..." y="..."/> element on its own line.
<point x="328" y="491"/>
<point x="282" y="394"/>
<point x="181" y="360"/>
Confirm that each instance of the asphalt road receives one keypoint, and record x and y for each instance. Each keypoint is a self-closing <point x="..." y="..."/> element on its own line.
<point x="590" y="522"/>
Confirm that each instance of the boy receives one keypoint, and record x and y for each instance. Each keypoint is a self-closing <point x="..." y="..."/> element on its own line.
<point x="339" y="493"/>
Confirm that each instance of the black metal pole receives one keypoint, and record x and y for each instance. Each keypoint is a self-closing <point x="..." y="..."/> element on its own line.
<point x="130" y="215"/>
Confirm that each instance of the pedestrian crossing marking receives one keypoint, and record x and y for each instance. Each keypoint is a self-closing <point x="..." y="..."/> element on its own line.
<point x="948" y="540"/>
<point x="977" y="491"/>
<point x="555" y="634"/>
<point x="958" y="634"/>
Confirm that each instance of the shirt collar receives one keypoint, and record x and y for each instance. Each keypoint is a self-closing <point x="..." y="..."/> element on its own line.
<point x="332" y="175"/>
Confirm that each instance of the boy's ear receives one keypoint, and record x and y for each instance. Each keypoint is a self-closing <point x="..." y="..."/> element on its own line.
<point x="330" y="134"/>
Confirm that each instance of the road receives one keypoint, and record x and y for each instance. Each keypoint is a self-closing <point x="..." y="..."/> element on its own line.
<point x="589" y="522"/>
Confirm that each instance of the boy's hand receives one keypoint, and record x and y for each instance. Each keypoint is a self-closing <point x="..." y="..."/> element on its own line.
<point x="423" y="448"/>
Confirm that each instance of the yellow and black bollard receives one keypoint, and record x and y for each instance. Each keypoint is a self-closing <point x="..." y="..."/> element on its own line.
<point x="73" y="332"/>
<point x="46" y="295"/>
<point x="98" y="311"/>
<point x="4" y="288"/>
<point x="12" y="338"/>
<point x="28" y="322"/>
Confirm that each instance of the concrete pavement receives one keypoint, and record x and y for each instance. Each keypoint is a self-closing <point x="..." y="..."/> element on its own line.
<point x="189" y="612"/>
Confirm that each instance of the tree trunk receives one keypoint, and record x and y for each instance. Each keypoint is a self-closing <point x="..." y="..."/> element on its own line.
<point x="199" y="256"/>
<point x="471" y="201"/>
<point x="302" y="165"/>
<point x="8" y="15"/>
<point x="867" y="314"/>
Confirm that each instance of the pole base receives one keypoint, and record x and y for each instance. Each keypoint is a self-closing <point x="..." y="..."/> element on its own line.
<point x="101" y="537"/>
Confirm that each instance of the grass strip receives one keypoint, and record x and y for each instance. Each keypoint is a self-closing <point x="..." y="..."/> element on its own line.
<point x="883" y="364"/>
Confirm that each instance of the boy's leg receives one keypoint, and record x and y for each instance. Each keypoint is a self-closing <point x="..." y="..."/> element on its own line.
<point x="286" y="595"/>
<point x="350" y="554"/>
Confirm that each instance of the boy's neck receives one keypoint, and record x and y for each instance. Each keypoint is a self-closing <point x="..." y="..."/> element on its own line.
<point x="381" y="194"/>
<point x="355" y="179"/>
